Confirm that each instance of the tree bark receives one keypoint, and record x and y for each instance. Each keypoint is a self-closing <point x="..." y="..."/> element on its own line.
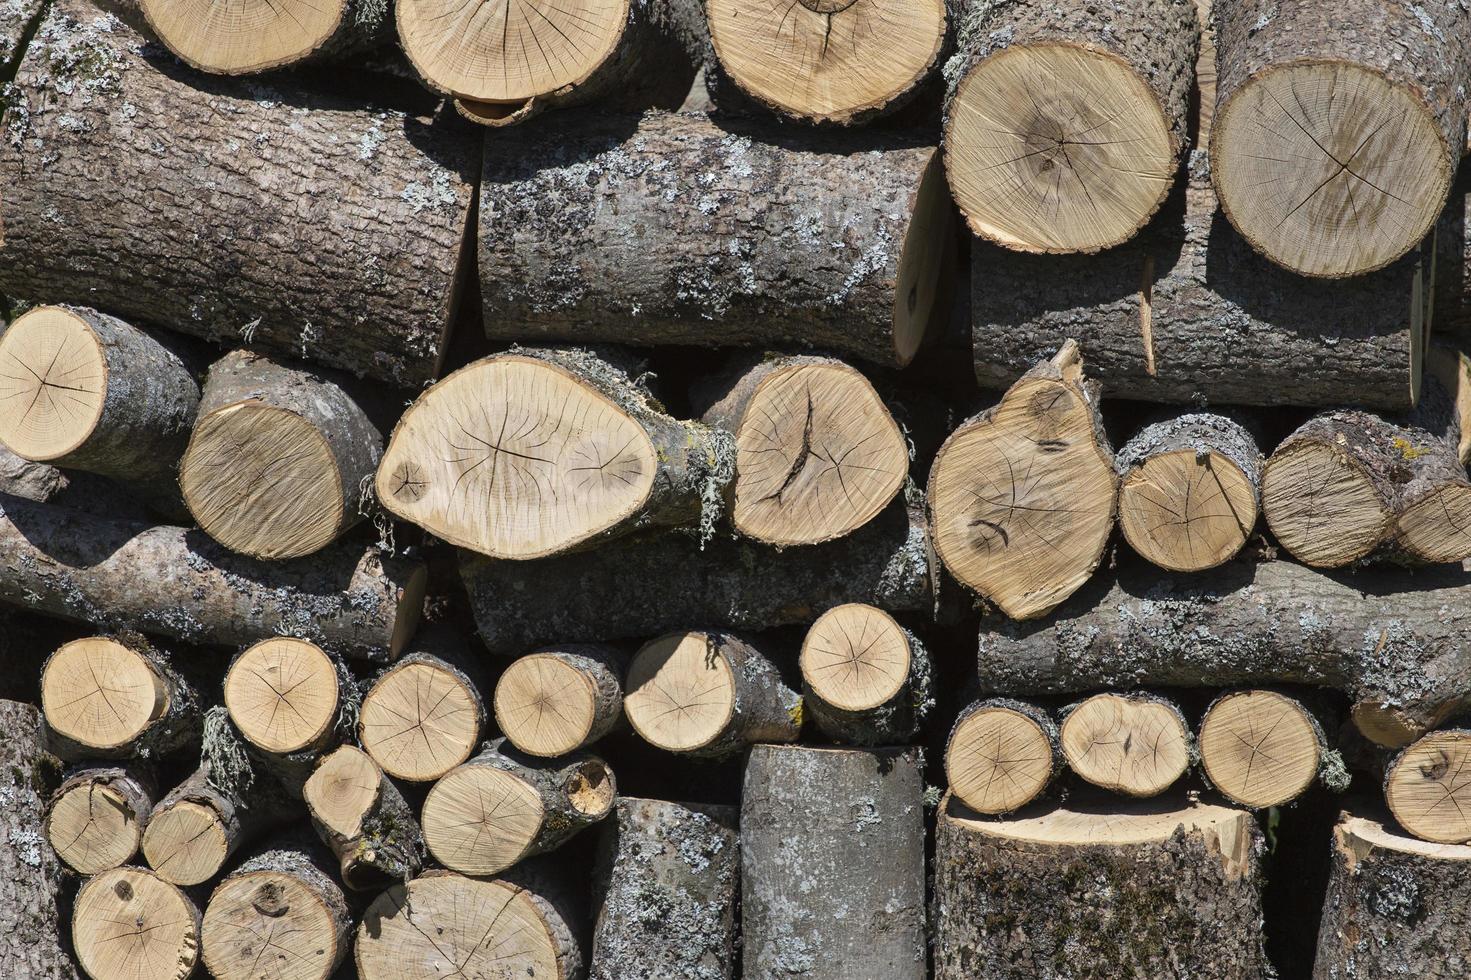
<point x="832" y="864"/>
<point x="1390" y="641"/>
<point x="1118" y="82"/>
<point x="174" y="582"/>
<point x="247" y="234"/>
<point x="1188" y="313"/>
<point x="117" y="907"/>
<point x="17" y="20"/>
<point x="603" y="595"/>
<point x="560" y="699"/>
<point x="30" y="874"/>
<point x="425" y="714"/>
<point x="360" y="814"/>
<point x="682" y="860"/>
<point x="1136" y="743"/>
<point x="247" y="40"/>
<point x="1396" y="906"/>
<point x="95" y="819"/>
<point x="1112" y="890"/>
<point x="865" y="679"/>
<point x="1264" y="748"/>
<point x="742" y="255"/>
<point x="1001" y="754"/>
<point x="280" y="459"/>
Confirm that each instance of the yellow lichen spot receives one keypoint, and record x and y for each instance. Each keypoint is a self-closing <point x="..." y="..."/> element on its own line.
<point x="1408" y="449"/>
<point x="795" y="712"/>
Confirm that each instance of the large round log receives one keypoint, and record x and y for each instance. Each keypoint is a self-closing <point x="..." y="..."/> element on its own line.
<point x="1114" y="889"/>
<point x="1427" y="789"/>
<point x="865" y="679"/>
<point x="1264" y="748"/>
<point x="114" y="913"/>
<point x="245" y="38"/>
<point x="95" y="820"/>
<point x="673" y="229"/>
<point x="301" y="223"/>
<point x="292" y="702"/>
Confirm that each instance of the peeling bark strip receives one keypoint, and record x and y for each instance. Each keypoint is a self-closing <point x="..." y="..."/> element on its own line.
<point x="1228" y="327"/>
<point x="1396" y="906"/>
<point x="116" y="907"/>
<point x="671" y="229"/>
<point x="1393" y="642"/>
<point x="95" y="819"/>
<point x="236" y="225"/>
<point x="1338" y="127"/>
<point x="175" y="582"/>
<point x="1064" y="122"/>
<point x="256" y="35"/>
<point x="829" y="61"/>
<point x="809" y="819"/>
<point x="653" y="583"/>
<point x="360" y="814"/>
<point x="538" y="452"/>
<point x="1113" y="890"/>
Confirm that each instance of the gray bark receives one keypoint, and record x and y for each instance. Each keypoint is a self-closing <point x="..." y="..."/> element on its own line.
<point x="1201" y="432"/>
<point x="553" y="780"/>
<point x="1225" y="326"/>
<point x="388" y="846"/>
<point x="234" y="225"/>
<point x="664" y="892"/>
<point x="17" y="19"/>
<point x="832" y="864"/>
<point x="650" y="584"/>
<point x="894" y="722"/>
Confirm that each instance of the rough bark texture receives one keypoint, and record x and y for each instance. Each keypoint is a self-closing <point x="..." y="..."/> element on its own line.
<point x="174" y="582"/>
<point x="1396" y="906"/>
<point x="303" y="224"/>
<point x="650" y="584"/>
<point x="17" y="19"/>
<point x="386" y="845"/>
<point x="1188" y="313"/>
<point x="671" y="229"/>
<point x="554" y="781"/>
<point x="1391" y="641"/>
<point x="1186" y="905"/>
<point x="832" y="864"/>
<point x="894" y="722"/>
<point x="30" y="875"/>
<point x="19" y="477"/>
<point x="664" y="891"/>
<point x="1198" y="432"/>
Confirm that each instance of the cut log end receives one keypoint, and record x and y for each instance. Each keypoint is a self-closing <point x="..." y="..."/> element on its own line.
<point x="267" y="916"/>
<point x="93" y="826"/>
<point x="101" y="694"/>
<point x="128" y="922"/>
<point x="243" y="38"/>
<point x="855" y="657"/>
<point x="262" y="481"/>
<point x="419" y="721"/>
<point x="1260" y="748"/>
<point x="1427" y="788"/>
<point x="1322" y="506"/>
<point x="186" y="844"/>
<point x="1335" y="185"/>
<point x="509" y="59"/>
<point x="282" y="694"/>
<point x="681" y="695"/>
<point x="827" y="60"/>
<point x="1437" y="527"/>
<point x="545" y="706"/>
<point x="514" y="457"/>
<point x="342" y="790"/>
<point x="1187" y="513"/>
<point x="817" y="455"/>
<point x="1077" y="171"/>
<point x="1138" y="746"/>
<point x="998" y="759"/>
<point x="53" y="379"/>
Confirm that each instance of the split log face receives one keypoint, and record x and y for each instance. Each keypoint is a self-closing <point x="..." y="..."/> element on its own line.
<point x="1001" y="755"/>
<point x="96" y="819"/>
<point x="554" y="702"/>
<point x="1084" y="167"/>
<point x="420" y="719"/>
<point x="130" y="923"/>
<point x="830" y="61"/>
<point x="1022" y="496"/>
<point x="865" y="679"/>
<point x="1337" y="132"/>
<point x="1428" y="790"/>
<point x="102" y="694"/>
<point x="362" y="816"/>
<point x="1138" y="745"/>
<point x="283" y="695"/>
<point x="1260" y="748"/>
<point x="243" y="38"/>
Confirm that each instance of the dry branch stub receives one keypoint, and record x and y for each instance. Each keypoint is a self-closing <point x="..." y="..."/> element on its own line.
<point x="1135" y="744"/>
<point x="828" y="61"/>
<point x="242" y="231"/>
<point x="708" y="694"/>
<point x="360" y="814"/>
<point x="278" y="457"/>
<point x="1337" y="130"/>
<point x="96" y="817"/>
<point x="555" y="701"/>
<point x="1189" y="491"/>
<point x="1022" y="496"/>
<point x="1001" y="755"/>
<point x="681" y="862"/>
<point x="811" y="815"/>
<point x="516" y="925"/>
<point x="503" y="806"/>
<point x="865" y="678"/>
<point x="843" y="244"/>
<point x="530" y="454"/>
<point x="1396" y="906"/>
<point x="1428" y="789"/>
<point x="1261" y="748"/>
<point x="257" y="35"/>
<point x="1064" y="123"/>
<point x="1116" y="889"/>
<point x="818" y="453"/>
<point x="130" y="923"/>
<point x="1187" y="313"/>
<point x="423" y="716"/>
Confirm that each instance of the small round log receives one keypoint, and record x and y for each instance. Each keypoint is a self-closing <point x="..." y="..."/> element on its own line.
<point x="116" y="909"/>
<point x="285" y="696"/>
<point x="96" y="818"/>
<point x="1001" y="755"/>
<point x="1427" y="788"/>
<point x="423" y="716"/>
<point x="1262" y="748"/>
<point x="1136" y="744"/>
<point x="865" y="678"/>
<point x="558" y="700"/>
<point x="244" y="38"/>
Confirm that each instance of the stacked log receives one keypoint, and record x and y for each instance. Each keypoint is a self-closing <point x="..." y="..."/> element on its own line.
<point x="361" y="815"/>
<point x="96" y="818"/>
<point x="424" y="714"/>
<point x="1264" y="748"/>
<point x="1137" y="744"/>
<point x="865" y="679"/>
<point x="117" y="907"/>
<point x="1002" y="754"/>
<point x="558" y="700"/>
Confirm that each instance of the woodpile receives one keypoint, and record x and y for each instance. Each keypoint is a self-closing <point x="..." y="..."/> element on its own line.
<point x="580" y="491"/>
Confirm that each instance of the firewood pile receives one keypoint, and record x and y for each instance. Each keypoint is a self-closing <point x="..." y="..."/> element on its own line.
<point x="846" y="490"/>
